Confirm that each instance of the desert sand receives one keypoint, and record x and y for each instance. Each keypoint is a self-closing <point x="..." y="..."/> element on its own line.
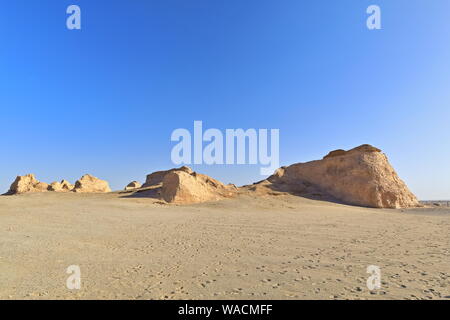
<point x="246" y="247"/>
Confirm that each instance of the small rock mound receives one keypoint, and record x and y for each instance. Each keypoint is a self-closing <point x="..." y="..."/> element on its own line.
<point x="91" y="184"/>
<point x="133" y="186"/>
<point x="183" y="186"/>
<point x="361" y="176"/>
<point x="27" y="184"/>
<point x="63" y="186"/>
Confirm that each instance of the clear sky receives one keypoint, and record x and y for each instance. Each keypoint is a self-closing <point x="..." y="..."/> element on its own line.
<point x="105" y="99"/>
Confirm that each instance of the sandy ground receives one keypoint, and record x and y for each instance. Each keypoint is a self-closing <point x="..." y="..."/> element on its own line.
<point x="282" y="247"/>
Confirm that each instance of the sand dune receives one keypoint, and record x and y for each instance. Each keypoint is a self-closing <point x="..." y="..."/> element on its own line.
<point x="249" y="247"/>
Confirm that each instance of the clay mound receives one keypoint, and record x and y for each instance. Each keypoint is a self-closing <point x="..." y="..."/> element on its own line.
<point x="91" y="184"/>
<point x="63" y="186"/>
<point x="133" y="186"/>
<point x="157" y="177"/>
<point x="27" y="184"/>
<point x="184" y="186"/>
<point x="361" y="176"/>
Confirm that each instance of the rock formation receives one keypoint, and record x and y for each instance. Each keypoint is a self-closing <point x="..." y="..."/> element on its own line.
<point x="63" y="186"/>
<point x="157" y="177"/>
<point x="133" y="186"/>
<point x="361" y="176"/>
<point x="183" y="186"/>
<point x="26" y="184"/>
<point x="29" y="184"/>
<point x="91" y="184"/>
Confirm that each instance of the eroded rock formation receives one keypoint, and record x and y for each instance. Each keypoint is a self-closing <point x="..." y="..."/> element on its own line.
<point x="63" y="186"/>
<point x="91" y="184"/>
<point x="27" y="184"/>
<point x="157" y="177"/>
<point x="185" y="186"/>
<point x="133" y="186"/>
<point x="361" y="176"/>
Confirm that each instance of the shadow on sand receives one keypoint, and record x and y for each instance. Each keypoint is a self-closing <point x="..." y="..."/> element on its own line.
<point x="150" y="192"/>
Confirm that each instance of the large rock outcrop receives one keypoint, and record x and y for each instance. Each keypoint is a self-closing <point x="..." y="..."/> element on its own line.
<point x="91" y="184"/>
<point x="361" y="176"/>
<point x="157" y="177"/>
<point x="183" y="186"/>
<point x="27" y="184"/>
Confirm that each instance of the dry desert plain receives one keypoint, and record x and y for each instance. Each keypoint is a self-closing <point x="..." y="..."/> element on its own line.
<point x="248" y="247"/>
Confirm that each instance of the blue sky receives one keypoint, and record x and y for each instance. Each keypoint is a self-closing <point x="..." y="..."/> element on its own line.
<point x="105" y="99"/>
